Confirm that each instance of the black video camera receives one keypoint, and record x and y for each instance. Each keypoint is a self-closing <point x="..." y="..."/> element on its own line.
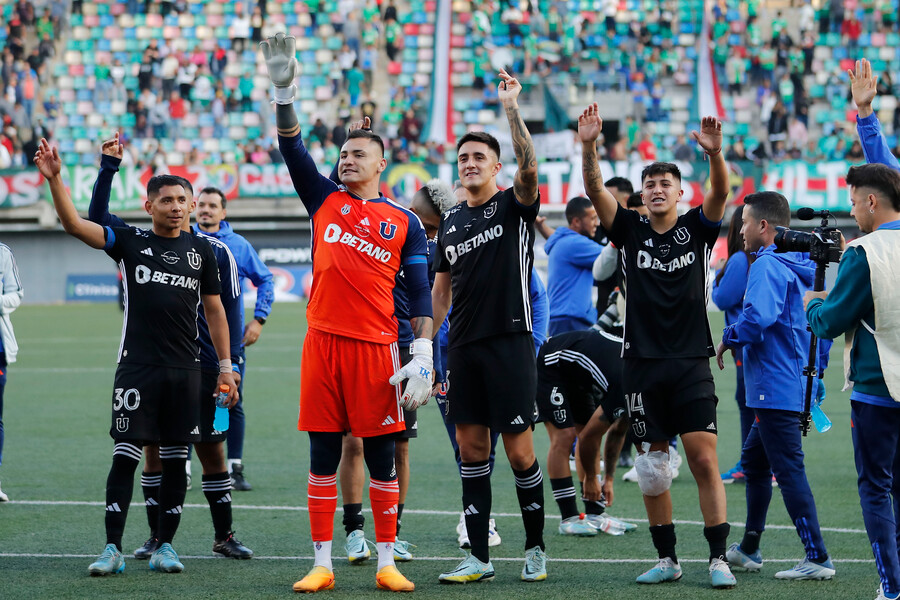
<point x="823" y="243"/>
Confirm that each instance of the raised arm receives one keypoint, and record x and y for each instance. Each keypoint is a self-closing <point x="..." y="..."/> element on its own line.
<point x="110" y="159"/>
<point x="589" y="126"/>
<point x="710" y="140"/>
<point x="50" y="165"/>
<point x="525" y="185"/>
<point x="281" y="62"/>
<point x="863" y="86"/>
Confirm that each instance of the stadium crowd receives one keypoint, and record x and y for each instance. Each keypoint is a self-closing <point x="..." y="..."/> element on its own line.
<point x="177" y="79"/>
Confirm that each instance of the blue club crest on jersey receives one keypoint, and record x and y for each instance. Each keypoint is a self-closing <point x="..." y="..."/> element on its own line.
<point x="345" y="210"/>
<point x="387" y="230"/>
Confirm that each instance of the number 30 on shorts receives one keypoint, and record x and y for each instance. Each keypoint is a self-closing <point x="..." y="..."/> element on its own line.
<point x="129" y="399"/>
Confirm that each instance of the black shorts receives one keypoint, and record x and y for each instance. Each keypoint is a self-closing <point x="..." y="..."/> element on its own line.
<point x="412" y="424"/>
<point x="494" y="382"/>
<point x="668" y="397"/>
<point x="560" y="404"/>
<point x="155" y="404"/>
<point x="208" y="433"/>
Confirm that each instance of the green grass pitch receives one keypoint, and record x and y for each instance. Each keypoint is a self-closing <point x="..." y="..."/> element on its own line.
<point x="58" y="452"/>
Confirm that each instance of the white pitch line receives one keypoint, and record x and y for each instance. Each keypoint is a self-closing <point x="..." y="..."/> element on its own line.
<point x="411" y="511"/>
<point x="444" y="558"/>
<point x="111" y="370"/>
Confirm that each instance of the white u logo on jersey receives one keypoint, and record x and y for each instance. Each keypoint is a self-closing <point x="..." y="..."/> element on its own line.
<point x="142" y="274"/>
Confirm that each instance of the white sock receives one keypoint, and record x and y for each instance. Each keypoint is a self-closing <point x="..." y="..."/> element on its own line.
<point x="385" y="554"/>
<point x="323" y="555"/>
<point x="232" y="462"/>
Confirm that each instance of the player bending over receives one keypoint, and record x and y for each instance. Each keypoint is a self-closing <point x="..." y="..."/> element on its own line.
<point x="579" y="395"/>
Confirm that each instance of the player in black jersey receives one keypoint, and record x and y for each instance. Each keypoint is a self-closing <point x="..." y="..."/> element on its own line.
<point x="210" y="448"/>
<point x="167" y="273"/>
<point x="580" y="394"/>
<point x="485" y="250"/>
<point x="666" y="375"/>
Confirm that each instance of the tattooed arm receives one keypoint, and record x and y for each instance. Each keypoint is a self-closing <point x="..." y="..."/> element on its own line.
<point x="589" y="126"/>
<point x="526" y="182"/>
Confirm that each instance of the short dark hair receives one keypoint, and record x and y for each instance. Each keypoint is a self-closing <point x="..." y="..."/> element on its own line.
<point x="880" y="178"/>
<point x="635" y="200"/>
<point x="620" y="183"/>
<point x="214" y="190"/>
<point x="576" y="208"/>
<point x="480" y="136"/>
<point x="771" y="206"/>
<point x="367" y="134"/>
<point x="187" y="186"/>
<point x="159" y="181"/>
<point x="660" y="168"/>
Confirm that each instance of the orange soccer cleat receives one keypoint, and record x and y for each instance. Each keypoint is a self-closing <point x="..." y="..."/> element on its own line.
<point x="318" y="578"/>
<point x="389" y="578"/>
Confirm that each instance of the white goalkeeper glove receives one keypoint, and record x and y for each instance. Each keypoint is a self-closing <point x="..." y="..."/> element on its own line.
<point x="419" y="372"/>
<point x="280" y="52"/>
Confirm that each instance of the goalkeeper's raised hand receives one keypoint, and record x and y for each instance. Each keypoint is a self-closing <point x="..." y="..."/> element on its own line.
<point x="280" y="52"/>
<point x="419" y="372"/>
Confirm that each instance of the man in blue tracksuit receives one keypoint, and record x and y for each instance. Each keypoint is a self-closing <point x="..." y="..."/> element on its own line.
<point x="210" y="220"/>
<point x="771" y="330"/>
<point x="863" y="303"/>
<point x="571" y="252"/>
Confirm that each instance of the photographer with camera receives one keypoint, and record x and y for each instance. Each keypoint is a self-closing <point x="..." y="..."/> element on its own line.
<point x="863" y="304"/>
<point x="771" y="330"/>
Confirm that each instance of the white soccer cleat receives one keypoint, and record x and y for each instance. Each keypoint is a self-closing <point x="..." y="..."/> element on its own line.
<point x="3" y="497"/>
<point x="462" y="534"/>
<point x="493" y="536"/>
<point x="674" y="462"/>
<point x="630" y="475"/>
<point x="807" y="569"/>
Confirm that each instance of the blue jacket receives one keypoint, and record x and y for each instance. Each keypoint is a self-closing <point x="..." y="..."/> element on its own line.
<point x="875" y="146"/>
<point x="728" y="292"/>
<point x="569" y="279"/>
<point x="772" y="329"/>
<point x="249" y="266"/>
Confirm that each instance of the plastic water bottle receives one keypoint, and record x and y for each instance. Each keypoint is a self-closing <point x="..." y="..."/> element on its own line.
<point x="220" y="423"/>
<point x="819" y="418"/>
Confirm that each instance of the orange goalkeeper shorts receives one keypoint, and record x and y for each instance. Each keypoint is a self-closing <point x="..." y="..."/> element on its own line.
<point x="344" y="386"/>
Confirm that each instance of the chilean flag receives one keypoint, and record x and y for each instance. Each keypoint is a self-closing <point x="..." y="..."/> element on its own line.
<point x="440" y="123"/>
<point x="709" y="96"/>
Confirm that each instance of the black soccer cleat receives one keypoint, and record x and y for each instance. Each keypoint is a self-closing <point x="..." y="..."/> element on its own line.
<point x="149" y="547"/>
<point x="232" y="548"/>
<point x="238" y="482"/>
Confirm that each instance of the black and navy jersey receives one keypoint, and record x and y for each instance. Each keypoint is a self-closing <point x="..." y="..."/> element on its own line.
<point x="231" y="302"/>
<point x="666" y="279"/>
<point x="589" y="365"/>
<point x="489" y="252"/>
<point x="163" y="280"/>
